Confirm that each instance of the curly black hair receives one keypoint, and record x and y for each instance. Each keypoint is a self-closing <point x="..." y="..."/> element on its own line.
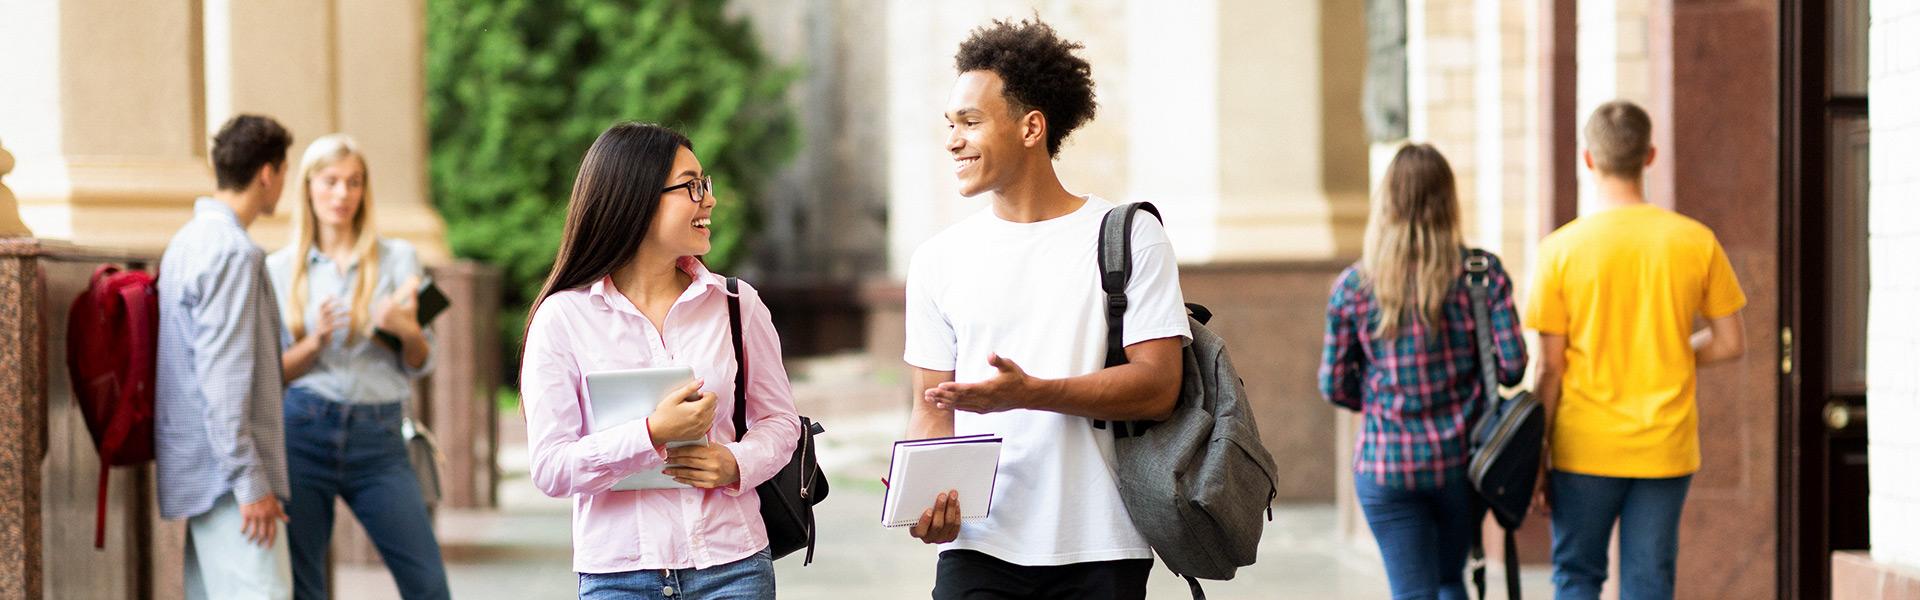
<point x="1038" y="71"/>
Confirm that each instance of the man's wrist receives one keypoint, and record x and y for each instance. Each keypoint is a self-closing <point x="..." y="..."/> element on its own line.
<point x="1040" y="394"/>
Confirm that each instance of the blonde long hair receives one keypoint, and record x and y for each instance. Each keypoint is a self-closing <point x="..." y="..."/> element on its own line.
<point x="1412" y="249"/>
<point x="325" y="152"/>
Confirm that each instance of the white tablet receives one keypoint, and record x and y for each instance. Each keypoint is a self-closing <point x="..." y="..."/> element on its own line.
<point x="617" y="397"/>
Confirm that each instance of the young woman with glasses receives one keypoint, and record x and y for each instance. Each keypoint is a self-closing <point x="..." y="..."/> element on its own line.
<point x="628" y="291"/>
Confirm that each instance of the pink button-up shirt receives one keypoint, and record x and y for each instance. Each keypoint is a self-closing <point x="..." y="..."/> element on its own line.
<point x="597" y="329"/>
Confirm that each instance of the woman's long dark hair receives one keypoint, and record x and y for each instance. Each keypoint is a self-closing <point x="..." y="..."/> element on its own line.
<point x="614" y="198"/>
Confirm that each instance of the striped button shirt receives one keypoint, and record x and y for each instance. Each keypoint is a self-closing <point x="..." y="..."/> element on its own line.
<point x="217" y="388"/>
<point x="1417" y="391"/>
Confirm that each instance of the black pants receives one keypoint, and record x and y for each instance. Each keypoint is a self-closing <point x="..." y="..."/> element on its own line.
<point x="970" y="575"/>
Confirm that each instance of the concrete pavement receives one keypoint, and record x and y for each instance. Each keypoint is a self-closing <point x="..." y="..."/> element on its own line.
<point x="522" y="550"/>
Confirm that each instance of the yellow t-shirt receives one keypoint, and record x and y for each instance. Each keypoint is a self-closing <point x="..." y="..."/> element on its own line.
<point x="1624" y="287"/>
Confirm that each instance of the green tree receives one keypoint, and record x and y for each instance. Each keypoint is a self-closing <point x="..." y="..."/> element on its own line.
<point x="518" y="89"/>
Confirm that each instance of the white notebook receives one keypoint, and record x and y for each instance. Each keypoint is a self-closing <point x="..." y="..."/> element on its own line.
<point x="625" y="396"/>
<point x="922" y="469"/>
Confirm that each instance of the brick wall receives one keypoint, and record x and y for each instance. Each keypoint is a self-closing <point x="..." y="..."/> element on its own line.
<point x="1893" y="330"/>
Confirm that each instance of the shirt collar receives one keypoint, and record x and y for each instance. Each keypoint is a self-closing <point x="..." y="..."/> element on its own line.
<point x="704" y="280"/>
<point x="207" y="206"/>
<point x="314" y="255"/>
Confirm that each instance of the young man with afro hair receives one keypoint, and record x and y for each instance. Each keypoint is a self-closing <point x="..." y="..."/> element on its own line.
<point x="1006" y="334"/>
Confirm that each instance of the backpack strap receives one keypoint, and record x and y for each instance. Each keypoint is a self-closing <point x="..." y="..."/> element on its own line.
<point x="1116" y="268"/>
<point x="1193" y="586"/>
<point x="1478" y="264"/>
<point x="1476" y="549"/>
<point x="739" y="360"/>
<point x="1513" y="567"/>
<point x="1477" y="561"/>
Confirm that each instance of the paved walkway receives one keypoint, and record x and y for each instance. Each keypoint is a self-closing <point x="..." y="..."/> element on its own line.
<point x="522" y="550"/>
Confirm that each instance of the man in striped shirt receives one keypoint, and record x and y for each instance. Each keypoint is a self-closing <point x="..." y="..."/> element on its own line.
<point x="218" y="442"/>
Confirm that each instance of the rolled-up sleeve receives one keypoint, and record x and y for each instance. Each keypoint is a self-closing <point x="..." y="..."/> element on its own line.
<point x="566" y="460"/>
<point x="1510" y="347"/>
<point x="1341" y="358"/>
<point x="225" y="348"/>
<point x="773" y="426"/>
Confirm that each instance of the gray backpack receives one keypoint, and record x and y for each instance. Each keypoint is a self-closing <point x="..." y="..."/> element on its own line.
<point x="1197" y="483"/>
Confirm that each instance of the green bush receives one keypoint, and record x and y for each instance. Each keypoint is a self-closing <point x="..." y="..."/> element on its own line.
<point x="518" y="89"/>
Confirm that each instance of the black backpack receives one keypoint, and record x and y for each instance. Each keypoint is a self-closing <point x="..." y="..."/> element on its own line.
<point x="1505" y="444"/>
<point x="1196" y="484"/>
<point x="786" y="501"/>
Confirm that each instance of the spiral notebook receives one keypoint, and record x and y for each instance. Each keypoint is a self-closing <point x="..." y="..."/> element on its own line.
<point x="922" y="469"/>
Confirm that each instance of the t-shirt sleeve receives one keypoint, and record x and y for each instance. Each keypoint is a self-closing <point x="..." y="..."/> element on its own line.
<point x="1723" y="295"/>
<point x="1546" y="310"/>
<point x="1155" y="307"/>
<point x="931" y="343"/>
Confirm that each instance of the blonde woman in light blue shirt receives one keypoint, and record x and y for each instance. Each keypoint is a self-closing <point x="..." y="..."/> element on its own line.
<point x="338" y="282"/>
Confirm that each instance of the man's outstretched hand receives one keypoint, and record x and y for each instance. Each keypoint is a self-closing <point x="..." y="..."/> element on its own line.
<point x="1009" y="389"/>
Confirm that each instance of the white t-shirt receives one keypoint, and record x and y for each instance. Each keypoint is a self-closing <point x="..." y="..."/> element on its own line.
<point x="1031" y="293"/>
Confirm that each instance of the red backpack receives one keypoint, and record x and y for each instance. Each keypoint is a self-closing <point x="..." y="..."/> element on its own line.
<point x="112" y="331"/>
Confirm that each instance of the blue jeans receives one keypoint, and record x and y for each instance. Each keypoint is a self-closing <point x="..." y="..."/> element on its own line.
<point x="750" y="578"/>
<point x="1584" y="510"/>
<point x="354" y="452"/>
<point x="1423" y="535"/>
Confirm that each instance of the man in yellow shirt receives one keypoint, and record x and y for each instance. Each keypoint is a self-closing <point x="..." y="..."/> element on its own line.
<point x="1615" y="295"/>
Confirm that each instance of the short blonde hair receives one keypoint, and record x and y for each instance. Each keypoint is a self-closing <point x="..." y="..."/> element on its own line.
<point x="1619" y="135"/>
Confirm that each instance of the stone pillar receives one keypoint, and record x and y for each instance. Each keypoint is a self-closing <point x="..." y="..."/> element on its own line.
<point x="1718" y="74"/>
<point x="23" y="397"/>
<point x="461" y="390"/>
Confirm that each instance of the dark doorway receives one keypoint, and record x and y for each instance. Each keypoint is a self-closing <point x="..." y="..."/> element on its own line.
<point x="1824" y="283"/>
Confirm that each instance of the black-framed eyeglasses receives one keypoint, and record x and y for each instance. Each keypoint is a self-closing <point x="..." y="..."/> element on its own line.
<point x="697" y="190"/>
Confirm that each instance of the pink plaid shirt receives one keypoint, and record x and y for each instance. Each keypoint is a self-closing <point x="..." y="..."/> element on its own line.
<point x="596" y="329"/>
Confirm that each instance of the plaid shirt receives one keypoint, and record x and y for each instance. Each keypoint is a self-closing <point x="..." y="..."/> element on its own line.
<point x="1417" y="390"/>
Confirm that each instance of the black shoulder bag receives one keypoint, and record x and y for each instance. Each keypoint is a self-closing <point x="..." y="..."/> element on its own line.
<point x="1506" y="442"/>
<point x="786" y="501"/>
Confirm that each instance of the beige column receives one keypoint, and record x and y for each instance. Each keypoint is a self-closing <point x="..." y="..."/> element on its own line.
<point x="1291" y="149"/>
<point x="102" y="113"/>
<point x="380" y="82"/>
<point x="115" y="104"/>
<point x="351" y="66"/>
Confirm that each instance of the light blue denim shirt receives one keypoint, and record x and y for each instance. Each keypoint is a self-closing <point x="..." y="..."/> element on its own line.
<point x="358" y="370"/>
